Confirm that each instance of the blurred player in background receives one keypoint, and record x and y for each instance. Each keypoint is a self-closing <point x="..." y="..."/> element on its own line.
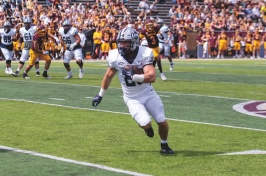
<point x="26" y="36"/>
<point x="70" y="37"/>
<point x="37" y="51"/>
<point x="8" y="35"/>
<point x="150" y="34"/>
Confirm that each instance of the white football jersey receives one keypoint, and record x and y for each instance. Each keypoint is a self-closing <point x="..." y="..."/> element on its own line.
<point x="144" y="42"/>
<point x="28" y="34"/>
<point x="69" y="36"/>
<point x="131" y="88"/>
<point x="6" y="38"/>
<point x="163" y="31"/>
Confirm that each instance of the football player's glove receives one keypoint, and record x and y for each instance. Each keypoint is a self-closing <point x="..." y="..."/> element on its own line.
<point x="96" y="100"/>
<point x="45" y="52"/>
<point x="57" y="40"/>
<point x="72" y="46"/>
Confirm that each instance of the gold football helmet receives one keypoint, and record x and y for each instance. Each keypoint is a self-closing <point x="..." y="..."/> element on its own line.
<point x="149" y="26"/>
<point x="41" y="31"/>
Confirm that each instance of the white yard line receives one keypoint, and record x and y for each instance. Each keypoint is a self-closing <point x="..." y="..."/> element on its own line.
<point x="89" y="97"/>
<point x="72" y="161"/>
<point x="161" y="92"/>
<point x="94" y="109"/>
<point x="57" y="99"/>
<point x="248" y="152"/>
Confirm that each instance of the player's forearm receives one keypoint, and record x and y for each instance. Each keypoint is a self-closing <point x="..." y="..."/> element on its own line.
<point x="107" y="79"/>
<point x="106" y="82"/>
<point x="149" y="77"/>
<point x="149" y="74"/>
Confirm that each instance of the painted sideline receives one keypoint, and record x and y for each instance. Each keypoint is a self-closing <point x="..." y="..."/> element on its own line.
<point x="179" y="120"/>
<point x="72" y="161"/>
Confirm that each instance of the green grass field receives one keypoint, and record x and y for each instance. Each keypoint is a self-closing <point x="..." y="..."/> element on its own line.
<point x="58" y="132"/>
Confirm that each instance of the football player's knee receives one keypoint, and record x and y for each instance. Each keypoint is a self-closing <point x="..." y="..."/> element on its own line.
<point x="160" y="118"/>
<point x="22" y="63"/>
<point x="79" y="62"/>
<point x="66" y="65"/>
<point x="143" y="121"/>
<point x="8" y="61"/>
<point x="37" y="62"/>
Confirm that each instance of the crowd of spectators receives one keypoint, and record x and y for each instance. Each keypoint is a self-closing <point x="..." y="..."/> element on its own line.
<point x="112" y="15"/>
<point x="218" y="15"/>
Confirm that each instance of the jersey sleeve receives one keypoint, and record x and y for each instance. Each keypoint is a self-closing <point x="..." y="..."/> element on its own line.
<point x="112" y="59"/>
<point x="148" y="57"/>
<point x="75" y="31"/>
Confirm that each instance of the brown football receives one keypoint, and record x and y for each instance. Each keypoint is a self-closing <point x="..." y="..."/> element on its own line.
<point x="137" y="70"/>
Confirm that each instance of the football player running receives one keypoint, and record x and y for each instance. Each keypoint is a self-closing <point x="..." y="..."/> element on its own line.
<point x="69" y="35"/>
<point x="138" y="94"/>
<point x="150" y="33"/>
<point x="37" y="51"/>
<point x="165" y="43"/>
<point x="26" y="35"/>
<point x="8" y="35"/>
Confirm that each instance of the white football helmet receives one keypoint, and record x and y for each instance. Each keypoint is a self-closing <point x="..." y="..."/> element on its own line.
<point x="127" y="34"/>
<point x="7" y="25"/>
<point x="66" y="25"/>
<point x="164" y="29"/>
<point x="27" y="22"/>
<point x="160" y="22"/>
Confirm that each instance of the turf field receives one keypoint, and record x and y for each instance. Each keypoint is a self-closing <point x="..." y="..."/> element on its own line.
<point x="48" y="127"/>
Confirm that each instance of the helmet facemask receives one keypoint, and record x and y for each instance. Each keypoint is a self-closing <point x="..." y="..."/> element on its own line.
<point x="27" y="25"/>
<point x="66" y="28"/>
<point x="42" y="31"/>
<point x="127" y="41"/>
<point x="7" y="26"/>
<point x="27" y="22"/>
<point x="149" y="27"/>
<point x="66" y="25"/>
<point x="124" y="47"/>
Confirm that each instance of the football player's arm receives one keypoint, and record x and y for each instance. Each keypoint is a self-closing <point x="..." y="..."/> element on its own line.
<point x="15" y="37"/>
<point x="149" y="74"/>
<point x="54" y="37"/>
<point x="60" y="38"/>
<point x="77" y="37"/>
<point x="20" y="41"/>
<point x="107" y="79"/>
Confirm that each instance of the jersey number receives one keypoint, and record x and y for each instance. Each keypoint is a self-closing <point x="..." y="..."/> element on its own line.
<point x="130" y="82"/>
<point x="67" y="40"/>
<point x="27" y="36"/>
<point x="7" y="39"/>
<point x="152" y="39"/>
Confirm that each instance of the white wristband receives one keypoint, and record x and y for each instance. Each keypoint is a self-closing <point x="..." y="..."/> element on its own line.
<point x="138" y="78"/>
<point x="101" y="93"/>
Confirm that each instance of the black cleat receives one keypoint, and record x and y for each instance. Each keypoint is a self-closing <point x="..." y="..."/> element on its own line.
<point x="165" y="149"/>
<point x="45" y="75"/>
<point x="150" y="132"/>
<point x="37" y="74"/>
<point x="15" y="74"/>
<point x="25" y="76"/>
